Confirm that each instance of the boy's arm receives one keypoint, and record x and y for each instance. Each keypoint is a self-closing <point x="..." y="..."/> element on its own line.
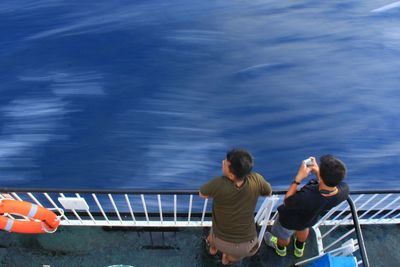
<point x="302" y="173"/>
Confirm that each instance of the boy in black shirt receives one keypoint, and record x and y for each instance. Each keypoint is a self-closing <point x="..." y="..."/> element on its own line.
<point x="301" y="209"/>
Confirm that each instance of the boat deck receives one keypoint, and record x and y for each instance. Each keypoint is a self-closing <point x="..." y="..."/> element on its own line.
<point x="96" y="246"/>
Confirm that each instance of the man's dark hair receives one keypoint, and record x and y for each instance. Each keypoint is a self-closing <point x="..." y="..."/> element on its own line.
<point x="241" y="162"/>
<point x="331" y="170"/>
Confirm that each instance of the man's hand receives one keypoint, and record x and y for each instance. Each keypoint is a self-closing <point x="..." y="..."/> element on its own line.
<point x="304" y="171"/>
<point x="202" y="196"/>
<point x="314" y="167"/>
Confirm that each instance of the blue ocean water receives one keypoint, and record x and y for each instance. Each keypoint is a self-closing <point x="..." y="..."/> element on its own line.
<point x="151" y="94"/>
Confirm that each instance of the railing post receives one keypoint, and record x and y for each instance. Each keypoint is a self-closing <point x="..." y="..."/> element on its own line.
<point x="358" y="233"/>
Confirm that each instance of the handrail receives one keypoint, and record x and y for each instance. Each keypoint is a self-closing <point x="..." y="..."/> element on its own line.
<point x="161" y="191"/>
<point x="358" y="233"/>
<point x="111" y="208"/>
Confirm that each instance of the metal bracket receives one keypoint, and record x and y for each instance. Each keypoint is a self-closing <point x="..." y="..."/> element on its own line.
<point x="73" y="203"/>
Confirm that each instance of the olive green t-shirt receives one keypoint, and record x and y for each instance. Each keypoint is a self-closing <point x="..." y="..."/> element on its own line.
<point x="233" y="208"/>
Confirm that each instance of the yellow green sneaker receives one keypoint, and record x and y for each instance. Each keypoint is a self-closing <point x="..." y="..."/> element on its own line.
<point x="298" y="252"/>
<point x="272" y="241"/>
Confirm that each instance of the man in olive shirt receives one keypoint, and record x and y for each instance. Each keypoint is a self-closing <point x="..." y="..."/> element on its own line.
<point x="235" y="197"/>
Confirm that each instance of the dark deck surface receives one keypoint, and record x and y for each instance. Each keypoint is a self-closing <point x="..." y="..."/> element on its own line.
<point x="84" y="246"/>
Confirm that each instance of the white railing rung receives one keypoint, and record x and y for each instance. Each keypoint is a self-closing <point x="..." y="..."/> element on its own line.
<point x="339" y="239"/>
<point x="115" y="207"/>
<point x="344" y="210"/>
<point x="130" y="207"/>
<point x="336" y="226"/>
<point x="365" y="203"/>
<point x="100" y="207"/>
<point x="375" y="205"/>
<point x="341" y="213"/>
<point x="87" y="211"/>
<point x="2" y="196"/>
<point x="77" y="216"/>
<point x="190" y="207"/>
<point x="34" y="199"/>
<point x="145" y="208"/>
<point x="55" y="206"/>
<point x="16" y="196"/>
<point x="175" y="208"/>
<point x="160" y="207"/>
<point x="204" y="210"/>
<point x="326" y="216"/>
<point x="385" y="208"/>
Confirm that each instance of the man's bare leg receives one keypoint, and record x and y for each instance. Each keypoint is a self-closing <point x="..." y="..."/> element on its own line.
<point x="212" y="249"/>
<point x="283" y="243"/>
<point x="302" y="235"/>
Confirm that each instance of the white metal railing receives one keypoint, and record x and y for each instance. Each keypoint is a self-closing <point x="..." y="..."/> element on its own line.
<point x="347" y="241"/>
<point x="135" y="209"/>
<point x="181" y="208"/>
<point x="152" y="208"/>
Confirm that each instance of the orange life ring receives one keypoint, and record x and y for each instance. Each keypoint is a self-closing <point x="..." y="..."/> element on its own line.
<point x="45" y="221"/>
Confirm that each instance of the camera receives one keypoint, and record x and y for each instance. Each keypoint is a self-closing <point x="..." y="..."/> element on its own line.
<point x="308" y="162"/>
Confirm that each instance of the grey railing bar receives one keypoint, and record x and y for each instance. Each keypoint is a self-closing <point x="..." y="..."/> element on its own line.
<point x="104" y="191"/>
<point x="100" y="207"/>
<point x="130" y="207"/>
<point x="115" y="207"/>
<point x="162" y="191"/>
<point x="359" y="234"/>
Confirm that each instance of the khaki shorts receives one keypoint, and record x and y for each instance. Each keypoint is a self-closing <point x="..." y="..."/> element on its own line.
<point x="237" y="250"/>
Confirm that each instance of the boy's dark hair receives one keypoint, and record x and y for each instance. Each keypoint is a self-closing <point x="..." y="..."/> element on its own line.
<point x="331" y="170"/>
<point x="241" y="162"/>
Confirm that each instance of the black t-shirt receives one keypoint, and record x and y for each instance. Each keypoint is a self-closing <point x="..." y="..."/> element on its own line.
<point x="302" y="210"/>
